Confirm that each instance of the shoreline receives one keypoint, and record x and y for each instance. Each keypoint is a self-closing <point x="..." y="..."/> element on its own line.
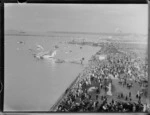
<point x="77" y="79"/>
<point x="53" y="108"/>
<point x="105" y="49"/>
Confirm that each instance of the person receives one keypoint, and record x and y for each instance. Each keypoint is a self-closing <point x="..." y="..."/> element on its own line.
<point x="144" y="107"/>
<point x="96" y="97"/>
<point x="82" y="60"/>
<point x="126" y="98"/>
<point x="134" y="108"/>
<point x="130" y="99"/>
<point x="98" y="90"/>
<point x="139" y="98"/>
<point x="112" y="101"/>
<point x="102" y="97"/>
<point x="129" y="94"/>
<point x="121" y="95"/>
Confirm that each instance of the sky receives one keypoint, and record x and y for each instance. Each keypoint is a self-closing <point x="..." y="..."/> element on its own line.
<point x="95" y="18"/>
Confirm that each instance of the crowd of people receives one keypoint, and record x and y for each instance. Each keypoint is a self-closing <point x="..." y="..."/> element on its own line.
<point x="90" y="92"/>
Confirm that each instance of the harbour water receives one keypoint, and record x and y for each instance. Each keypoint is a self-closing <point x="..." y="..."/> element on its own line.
<point x="35" y="85"/>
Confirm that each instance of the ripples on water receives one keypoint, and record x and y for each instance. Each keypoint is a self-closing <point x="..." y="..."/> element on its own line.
<point x="35" y="85"/>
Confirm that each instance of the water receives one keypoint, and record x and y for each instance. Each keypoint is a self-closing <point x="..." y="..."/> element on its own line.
<point x="35" y="85"/>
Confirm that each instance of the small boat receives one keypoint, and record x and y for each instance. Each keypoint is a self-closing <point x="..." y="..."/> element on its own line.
<point x="20" y="42"/>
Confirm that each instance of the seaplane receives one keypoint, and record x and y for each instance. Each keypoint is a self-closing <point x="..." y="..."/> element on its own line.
<point x="44" y="54"/>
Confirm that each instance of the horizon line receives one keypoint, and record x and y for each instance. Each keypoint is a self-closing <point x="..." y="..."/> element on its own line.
<point x="77" y="32"/>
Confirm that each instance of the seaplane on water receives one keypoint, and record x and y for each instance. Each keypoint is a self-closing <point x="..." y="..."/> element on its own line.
<point x="44" y="54"/>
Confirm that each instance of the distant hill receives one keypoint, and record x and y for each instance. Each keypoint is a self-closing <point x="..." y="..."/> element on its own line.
<point x="14" y="32"/>
<point x="100" y="33"/>
<point x="23" y="33"/>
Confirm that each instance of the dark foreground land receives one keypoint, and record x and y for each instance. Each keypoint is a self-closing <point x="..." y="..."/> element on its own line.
<point x="114" y="81"/>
